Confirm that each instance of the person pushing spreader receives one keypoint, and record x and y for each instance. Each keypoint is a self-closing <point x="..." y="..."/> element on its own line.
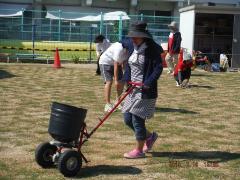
<point x="68" y="129"/>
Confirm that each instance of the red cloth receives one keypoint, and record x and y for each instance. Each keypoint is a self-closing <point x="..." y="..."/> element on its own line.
<point x="163" y="55"/>
<point x="181" y="66"/>
<point x="180" y="57"/>
<point x="170" y="43"/>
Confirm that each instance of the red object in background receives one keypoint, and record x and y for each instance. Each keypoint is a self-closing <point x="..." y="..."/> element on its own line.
<point x="163" y="55"/>
<point x="180" y="57"/>
<point x="57" y="63"/>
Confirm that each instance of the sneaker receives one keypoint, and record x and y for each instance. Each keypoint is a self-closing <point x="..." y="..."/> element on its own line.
<point x="119" y="107"/>
<point x="108" y="107"/>
<point x="134" y="154"/>
<point x="149" y="142"/>
<point x="177" y="84"/>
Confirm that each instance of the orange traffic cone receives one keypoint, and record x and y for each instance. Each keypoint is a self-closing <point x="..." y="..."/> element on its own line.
<point x="57" y="63"/>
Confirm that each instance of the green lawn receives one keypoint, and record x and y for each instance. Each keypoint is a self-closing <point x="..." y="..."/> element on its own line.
<point x="198" y="127"/>
<point x="68" y="50"/>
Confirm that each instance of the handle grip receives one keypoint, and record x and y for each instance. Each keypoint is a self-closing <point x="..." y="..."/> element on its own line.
<point x="135" y="83"/>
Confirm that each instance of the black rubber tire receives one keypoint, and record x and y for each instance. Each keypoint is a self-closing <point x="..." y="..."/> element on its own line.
<point x="69" y="163"/>
<point x="44" y="153"/>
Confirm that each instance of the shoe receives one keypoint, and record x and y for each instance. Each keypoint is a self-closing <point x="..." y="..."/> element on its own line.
<point x="149" y="142"/>
<point x="177" y="84"/>
<point x="134" y="154"/>
<point x="108" y="107"/>
<point x="119" y="107"/>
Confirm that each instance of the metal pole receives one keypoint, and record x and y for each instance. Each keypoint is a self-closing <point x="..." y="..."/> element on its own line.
<point x="101" y="23"/>
<point x="120" y="28"/>
<point x="102" y="120"/>
<point x="50" y="26"/>
<point x="59" y="26"/>
<point x="22" y="23"/>
<point x="106" y="31"/>
<point x="33" y="39"/>
<point x="91" y="37"/>
<point x="70" y="31"/>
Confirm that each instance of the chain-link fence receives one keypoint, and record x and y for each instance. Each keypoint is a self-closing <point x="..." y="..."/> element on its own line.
<point x="43" y="31"/>
<point x="59" y="28"/>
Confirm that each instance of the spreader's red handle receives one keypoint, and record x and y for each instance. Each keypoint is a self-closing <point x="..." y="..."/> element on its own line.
<point x="135" y="83"/>
<point x="128" y="91"/>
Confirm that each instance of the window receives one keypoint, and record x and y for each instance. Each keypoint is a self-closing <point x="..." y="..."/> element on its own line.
<point x="155" y="13"/>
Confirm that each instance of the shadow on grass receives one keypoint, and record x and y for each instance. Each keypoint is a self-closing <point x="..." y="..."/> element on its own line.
<point x="108" y="170"/>
<point x="217" y="156"/>
<point x="200" y="75"/>
<point x="5" y="74"/>
<point x="184" y="111"/>
<point x="201" y="86"/>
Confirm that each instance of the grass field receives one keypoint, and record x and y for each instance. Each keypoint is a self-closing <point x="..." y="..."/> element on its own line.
<point x="67" y="49"/>
<point x="198" y="127"/>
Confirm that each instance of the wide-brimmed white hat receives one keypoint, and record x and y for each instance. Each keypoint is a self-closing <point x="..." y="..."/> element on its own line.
<point x="173" y="25"/>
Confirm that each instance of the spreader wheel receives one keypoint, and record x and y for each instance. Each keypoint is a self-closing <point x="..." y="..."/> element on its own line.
<point x="69" y="163"/>
<point x="44" y="153"/>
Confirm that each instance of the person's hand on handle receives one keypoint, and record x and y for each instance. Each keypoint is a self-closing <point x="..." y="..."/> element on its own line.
<point x="138" y="85"/>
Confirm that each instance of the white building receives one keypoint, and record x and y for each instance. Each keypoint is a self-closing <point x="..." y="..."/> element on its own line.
<point x="146" y="7"/>
<point x="212" y="30"/>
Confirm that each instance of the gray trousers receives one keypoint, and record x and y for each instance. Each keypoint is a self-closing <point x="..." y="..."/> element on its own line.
<point x="171" y="61"/>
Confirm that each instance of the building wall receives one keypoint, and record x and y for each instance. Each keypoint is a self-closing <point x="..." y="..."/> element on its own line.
<point x="217" y="2"/>
<point x="117" y="4"/>
<point x="57" y="2"/>
<point x="160" y="6"/>
<point x="125" y="5"/>
<point x="14" y="1"/>
<point x="187" y="29"/>
<point x="236" y="42"/>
